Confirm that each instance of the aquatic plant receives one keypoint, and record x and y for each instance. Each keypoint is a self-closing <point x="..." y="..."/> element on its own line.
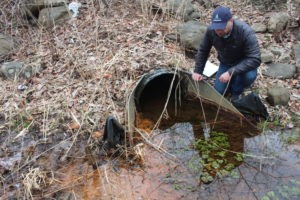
<point x="217" y="159"/>
<point x="289" y="191"/>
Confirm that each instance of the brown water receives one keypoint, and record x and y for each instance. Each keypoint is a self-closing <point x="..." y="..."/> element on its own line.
<point x="271" y="167"/>
<point x="273" y="170"/>
<point x="197" y="112"/>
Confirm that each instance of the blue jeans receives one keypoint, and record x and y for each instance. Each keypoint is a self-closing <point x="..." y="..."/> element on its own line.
<point x="237" y="83"/>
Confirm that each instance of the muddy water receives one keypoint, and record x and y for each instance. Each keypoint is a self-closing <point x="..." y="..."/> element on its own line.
<point x="197" y="112"/>
<point x="270" y="169"/>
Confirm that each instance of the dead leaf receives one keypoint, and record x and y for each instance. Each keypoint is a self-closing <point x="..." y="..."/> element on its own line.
<point x="97" y="134"/>
<point x="294" y="82"/>
<point x="74" y="126"/>
<point x="22" y="103"/>
<point x="107" y="76"/>
<point x="29" y="118"/>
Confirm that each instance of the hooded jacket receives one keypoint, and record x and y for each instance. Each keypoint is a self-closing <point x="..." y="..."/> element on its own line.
<point x="240" y="51"/>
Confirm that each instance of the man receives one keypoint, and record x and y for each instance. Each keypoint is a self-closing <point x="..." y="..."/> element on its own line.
<point x="238" y="53"/>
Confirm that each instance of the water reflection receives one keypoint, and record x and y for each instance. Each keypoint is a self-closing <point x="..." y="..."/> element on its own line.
<point x="267" y="172"/>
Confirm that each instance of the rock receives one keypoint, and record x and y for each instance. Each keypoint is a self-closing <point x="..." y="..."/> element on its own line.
<point x="296" y="4"/>
<point x="191" y="34"/>
<point x="54" y="16"/>
<point x="11" y="70"/>
<point x="278" y="96"/>
<point x="297" y="34"/>
<point x="280" y="70"/>
<point x="259" y="27"/>
<point x="171" y="37"/>
<point x="276" y="51"/>
<point x="285" y="58"/>
<point x="278" y="22"/>
<point x="7" y="45"/>
<point x="296" y="51"/>
<point x="266" y="56"/>
<point x="205" y="3"/>
<point x="182" y="8"/>
<point x="32" y="8"/>
<point x="32" y="69"/>
<point x="192" y="16"/>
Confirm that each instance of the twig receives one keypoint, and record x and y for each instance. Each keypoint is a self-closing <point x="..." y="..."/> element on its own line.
<point x="158" y="148"/>
<point x="252" y="190"/>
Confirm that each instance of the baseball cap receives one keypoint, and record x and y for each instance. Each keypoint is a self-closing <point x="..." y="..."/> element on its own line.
<point x="220" y="17"/>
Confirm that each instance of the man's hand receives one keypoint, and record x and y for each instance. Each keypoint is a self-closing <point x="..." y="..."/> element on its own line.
<point x="197" y="77"/>
<point x="225" y="77"/>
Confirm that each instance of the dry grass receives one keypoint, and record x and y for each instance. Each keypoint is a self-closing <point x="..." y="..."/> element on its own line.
<point x="35" y="179"/>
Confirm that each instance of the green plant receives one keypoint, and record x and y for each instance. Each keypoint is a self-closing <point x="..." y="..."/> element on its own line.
<point x="239" y="157"/>
<point x="263" y="125"/>
<point x="176" y="186"/>
<point x="216" y="160"/>
<point x="276" y="121"/>
<point x="290" y="191"/>
<point x="21" y="121"/>
<point x="292" y="139"/>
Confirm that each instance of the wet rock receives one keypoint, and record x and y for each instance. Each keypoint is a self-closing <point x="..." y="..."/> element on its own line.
<point x="266" y="56"/>
<point x="296" y="50"/>
<point x="259" y="27"/>
<point x="280" y="70"/>
<point x="278" y="22"/>
<point x="7" y="44"/>
<point x="191" y="34"/>
<point x="53" y="16"/>
<point x="278" y="96"/>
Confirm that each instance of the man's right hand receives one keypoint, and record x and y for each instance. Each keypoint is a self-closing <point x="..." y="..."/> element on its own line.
<point x="197" y="77"/>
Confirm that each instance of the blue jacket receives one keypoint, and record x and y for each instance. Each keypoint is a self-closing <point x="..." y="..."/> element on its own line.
<point x="240" y="50"/>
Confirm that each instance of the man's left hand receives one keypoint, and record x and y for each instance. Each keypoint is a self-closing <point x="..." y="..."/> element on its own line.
<point x="225" y="77"/>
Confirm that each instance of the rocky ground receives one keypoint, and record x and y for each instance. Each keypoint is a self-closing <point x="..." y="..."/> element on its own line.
<point x="65" y="80"/>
